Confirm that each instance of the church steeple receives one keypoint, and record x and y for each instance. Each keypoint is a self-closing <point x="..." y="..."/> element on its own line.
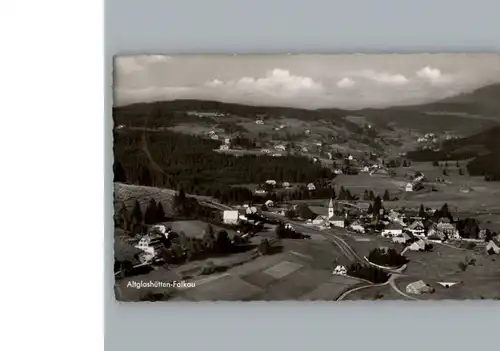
<point x="331" y="209"/>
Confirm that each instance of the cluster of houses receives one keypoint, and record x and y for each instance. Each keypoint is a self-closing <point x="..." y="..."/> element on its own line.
<point x="240" y="214"/>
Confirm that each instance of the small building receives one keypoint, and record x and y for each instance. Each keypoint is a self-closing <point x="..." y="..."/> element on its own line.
<point x="285" y="185"/>
<point x="260" y="191"/>
<point x="409" y="187"/>
<point x="338" y="171"/>
<point x="393" y="229"/>
<point x="269" y="203"/>
<point x="492" y="247"/>
<point x="340" y="270"/>
<point x="448" y="229"/>
<point x="251" y="210"/>
<point x="365" y="169"/>
<point x="417" y="246"/>
<point x="419" y="287"/>
<point x="214" y="137"/>
<point x="358" y="228"/>
<point x="280" y="147"/>
<point x="277" y="155"/>
<point x="435" y="235"/>
<point x="224" y="147"/>
<point x="150" y="247"/>
<point x="265" y="151"/>
<point x="231" y="217"/>
<point x="320" y="220"/>
<point x="447" y="284"/>
<point x="311" y="187"/>
<point x="227" y="141"/>
<point x="259" y="121"/>
<point x="337" y="221"/>
<point x="271" y="182"/>
<point x="416" y="228"/>
<point x="401" y="239"/>
<point x="304" y="149"/>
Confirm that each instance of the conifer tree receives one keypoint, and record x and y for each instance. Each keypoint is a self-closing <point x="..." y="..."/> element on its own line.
<point x="136" y="215"/>
<point x="160" y="212"/>
<point x="151" y="210"/>
<point x="421" y="212"/>
<point x="387" y="197"/>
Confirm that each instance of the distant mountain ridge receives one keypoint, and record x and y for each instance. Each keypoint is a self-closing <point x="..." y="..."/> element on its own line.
<point x="482" y="106"/>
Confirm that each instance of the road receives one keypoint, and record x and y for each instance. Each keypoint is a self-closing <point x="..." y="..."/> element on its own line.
<point x="391" y="282"/>
<point x="327" y="234"/>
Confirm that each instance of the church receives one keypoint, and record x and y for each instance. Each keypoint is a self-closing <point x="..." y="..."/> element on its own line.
<point x="334" y="217"/>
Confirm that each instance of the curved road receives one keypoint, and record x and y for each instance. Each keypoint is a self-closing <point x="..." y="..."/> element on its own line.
<point x="327" y="233"/>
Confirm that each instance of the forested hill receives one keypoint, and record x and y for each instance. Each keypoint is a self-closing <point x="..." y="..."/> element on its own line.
<point x="483" y="147"/>
<point x="466" y="113"/>
<point x="171" y="160"/>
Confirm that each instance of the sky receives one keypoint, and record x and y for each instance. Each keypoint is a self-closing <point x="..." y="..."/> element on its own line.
<point x="349" y="81"/>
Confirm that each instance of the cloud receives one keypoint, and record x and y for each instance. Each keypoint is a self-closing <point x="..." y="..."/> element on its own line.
<point x="276" y="81"/>
<point x="345" y="83"/>
<point x="395" y="79"/>
<point x="433" y="75"/>
<point x="131" y="64"/>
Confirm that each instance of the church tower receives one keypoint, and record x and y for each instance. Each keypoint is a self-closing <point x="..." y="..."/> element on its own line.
<point x="331" y="210"/>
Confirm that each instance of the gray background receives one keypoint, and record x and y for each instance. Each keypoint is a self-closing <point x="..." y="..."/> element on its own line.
<point x="267" y="26"/>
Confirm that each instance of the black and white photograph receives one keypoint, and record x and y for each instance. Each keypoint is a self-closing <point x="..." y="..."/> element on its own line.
<point x="306" y="177"/>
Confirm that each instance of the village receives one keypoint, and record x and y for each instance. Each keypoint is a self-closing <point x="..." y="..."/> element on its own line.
<point x="300" y="209"/>
<point x="379" y="229"/>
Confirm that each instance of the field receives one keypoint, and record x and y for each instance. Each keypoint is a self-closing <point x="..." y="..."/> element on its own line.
<point x="301" y="270"/>
<point x="479" y="280"/>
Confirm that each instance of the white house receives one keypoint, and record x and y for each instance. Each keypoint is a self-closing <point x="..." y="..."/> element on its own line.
<point x="224" y="147"/>
<point x="417" y="246"/>
<point x="285" y="185"/>
<point x="276" y="155"/>
<point x="337" y="221"/>
<point x="393" y="229"/>
<point x="357" y="227"/>
<point x="320" y="220"/>
<point x="492" y="247"/>
<point x="231" y="217"/>
<point x="259" y="121"/>
<point x="227" y="141"/>
<point x="448" y="229"/>
<point x="271" y="182"/>
<point x="251" y="210"/>
<point x="311" y="187"/>
<point x="260" y="191"/>
<point x="149" y="247"/>
<point x="280" y="147"/>
<point x="159" y="228"/>
<point x="409" y="187"/>
<point x="401" y="239"/>
<point x="340" y="270"/>
<point x="304" y="149"/>
<point x="419" y="287"/>
<point x="365" y="169"/>
<point x="416" y="228"/>
<point x="269" y="203"/>
<point x="337" y="171"/>
<point x="214" y="137"/>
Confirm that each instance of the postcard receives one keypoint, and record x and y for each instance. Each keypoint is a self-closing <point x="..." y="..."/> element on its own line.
<point x="306" y="177"/>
